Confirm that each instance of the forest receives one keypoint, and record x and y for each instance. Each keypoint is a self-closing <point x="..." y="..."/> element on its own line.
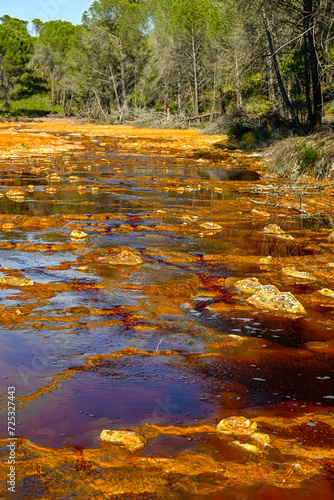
<point x="181" y="59"/>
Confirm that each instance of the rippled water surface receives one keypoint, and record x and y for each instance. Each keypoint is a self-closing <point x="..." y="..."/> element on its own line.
<point x="91" y="346"/>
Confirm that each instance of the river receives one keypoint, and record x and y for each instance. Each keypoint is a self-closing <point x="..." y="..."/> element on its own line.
<point x="135" y="322"/>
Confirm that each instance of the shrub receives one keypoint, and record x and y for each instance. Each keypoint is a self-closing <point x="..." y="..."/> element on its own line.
<point x="308" y="157"/>
<point x="249" y="138"/>
<point x="238" y="130"/>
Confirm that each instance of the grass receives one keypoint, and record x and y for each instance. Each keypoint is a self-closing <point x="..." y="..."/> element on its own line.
<point x="37" y="105"/>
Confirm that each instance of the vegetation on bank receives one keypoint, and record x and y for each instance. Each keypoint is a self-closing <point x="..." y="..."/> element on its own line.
<point x="182" y="58"/>
<point x="251" y="70"/>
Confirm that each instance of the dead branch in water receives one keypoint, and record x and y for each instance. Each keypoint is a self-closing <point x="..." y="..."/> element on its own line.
<point x="288" y="207"/>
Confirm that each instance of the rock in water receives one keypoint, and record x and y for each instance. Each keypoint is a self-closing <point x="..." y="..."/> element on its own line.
<point x="78" y="235"/>
<point x="273" y="229"/>
<point x="264" y="261"/>
<point x="250" y="285"/>
<point x="14" y="281"/>
<point x="291" y="271"/>
<point x="130" y="440"/>
<point x="270" y="298"/>
<point x="326" y="292"/>
<point x="237" y="426"/>
<point x="123" y="258"/>
<point x="210" y="225"/>
<point x="277" y="231"/>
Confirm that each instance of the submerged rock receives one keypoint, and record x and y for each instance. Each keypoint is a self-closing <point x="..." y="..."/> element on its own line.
<point x="317" y="346"/>
<point x="123" y="258"/>
<point x="220" y="307"/>
<point x="237" y="426"/>
<point x="250" y="448"/>
<point x="269" y="297"/>
<point x="259" y="213"/>
<point x="130" y="440"/>
<point x="291" y="271"/>
<point x="262" y="440"/>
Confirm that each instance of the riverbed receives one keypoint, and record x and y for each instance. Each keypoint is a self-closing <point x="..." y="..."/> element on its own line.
<point x="121" y="250"/>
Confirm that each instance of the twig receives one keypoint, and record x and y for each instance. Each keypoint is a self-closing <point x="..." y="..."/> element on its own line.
<point x="288" y="207"/>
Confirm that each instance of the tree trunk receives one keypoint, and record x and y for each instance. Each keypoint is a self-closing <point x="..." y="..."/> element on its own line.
<point x="179" y="104"/>
<point x="52" y="78"/>
<point x="100" y="105"/>
<point x="195" y="75"/>
<point x="69" y="106"/>
<point x="307" y="78"/>
<point x="213" y="95"/>
<point x="125" y="105"/>
<point x="239" y="96"/>
<point x="64" y="103"/>
<point x="271" y="87"/>
<point x="286" y="100"/>
<point x="115" y="88"/>
<point x="166" y="99"/>
<point x="313" y="63"/>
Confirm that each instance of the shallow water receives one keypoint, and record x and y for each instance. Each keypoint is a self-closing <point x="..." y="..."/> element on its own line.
<point x="68" y="353"/>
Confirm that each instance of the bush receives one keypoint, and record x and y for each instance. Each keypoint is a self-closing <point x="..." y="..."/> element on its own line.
<point x="308" y="157"/>
<point x="237" y="130"/>
<point x="37" y="105"/>
<point x="249" y="138"/>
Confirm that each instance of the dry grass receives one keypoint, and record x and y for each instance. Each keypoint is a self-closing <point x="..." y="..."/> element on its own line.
<point x="312" y="156"/>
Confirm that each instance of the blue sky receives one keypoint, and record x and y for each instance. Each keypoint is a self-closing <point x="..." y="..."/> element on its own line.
<point x="46" y="10"/>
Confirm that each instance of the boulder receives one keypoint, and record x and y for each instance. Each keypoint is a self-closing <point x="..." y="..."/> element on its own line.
<point x="270" y="298"/>
<point x="249" y="285"/>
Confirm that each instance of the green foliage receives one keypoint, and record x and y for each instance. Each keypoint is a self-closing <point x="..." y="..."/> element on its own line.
<point x="138" y="98"/>
<point x="249" y="138"/>
<point x="28" y="84"/>
<point x="238" y="130"/>
<point x="256" y="104"/>
<point x="173" y="107"/>
<point x="37" y="105"/>
<point x="247" y="135"/>
<point x="308" y="157"/>
<point x="189" y="17"/>
<point x="15" y="46"/>
<point x="54" y="40"/>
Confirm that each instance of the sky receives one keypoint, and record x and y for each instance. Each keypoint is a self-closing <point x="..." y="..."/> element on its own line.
<point x="46" y="10"/>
